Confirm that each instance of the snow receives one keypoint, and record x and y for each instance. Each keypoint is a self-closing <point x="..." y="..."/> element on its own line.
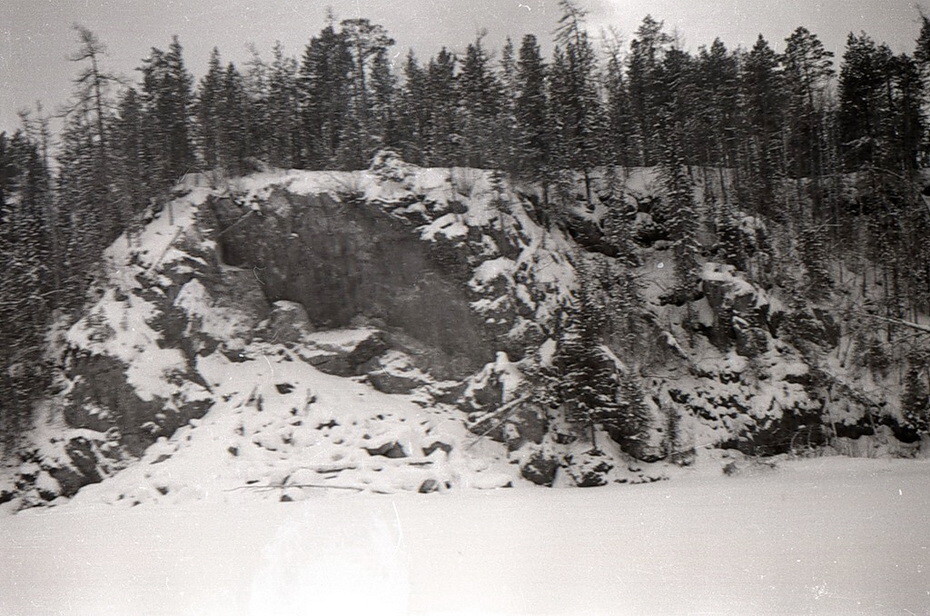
<point x="279" y="427"/>
<point x="814" y="536"/>
<point x="119" y="328"/>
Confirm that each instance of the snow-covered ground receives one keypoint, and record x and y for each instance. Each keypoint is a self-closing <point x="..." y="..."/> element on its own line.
<point x="817" y="536"/>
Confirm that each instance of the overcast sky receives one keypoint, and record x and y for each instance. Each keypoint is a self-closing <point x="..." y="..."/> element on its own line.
<point x="35" y="35"/>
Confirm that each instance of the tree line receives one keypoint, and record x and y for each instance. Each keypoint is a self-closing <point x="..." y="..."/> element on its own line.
<point x="789" y="131"/>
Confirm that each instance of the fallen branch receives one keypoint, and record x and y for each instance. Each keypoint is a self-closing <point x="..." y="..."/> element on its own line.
<point x="230" y="227"/>
<point x="509" y="408"/>
<point x="502" y="409"/>
<point x="165" y="251"/>
<point x="267" y="488"/>
<point x="915" y="326"/>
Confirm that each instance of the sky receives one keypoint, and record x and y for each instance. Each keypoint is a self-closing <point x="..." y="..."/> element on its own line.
<point x="36" y="36"/>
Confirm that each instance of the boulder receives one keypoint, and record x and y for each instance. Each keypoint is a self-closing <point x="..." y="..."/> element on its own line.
<point x="541" y="469"/>
<point x="287" y="322"/>
<point x="391" y="449"/>
<point x="394" y="373"/>
<point x="345" y="352"/>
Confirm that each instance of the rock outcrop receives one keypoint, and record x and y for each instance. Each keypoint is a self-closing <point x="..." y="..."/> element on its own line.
<point x="446" y="288"/>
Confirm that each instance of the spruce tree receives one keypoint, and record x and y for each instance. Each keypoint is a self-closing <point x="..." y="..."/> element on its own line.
<point x="480" y="97"/>
<point x="444" y="136"/>
<point x="282" y="127"/>
<point x="575" y="98"/>
<point x="588" y="388"/>
<point x="384" y="112"/>
<point x="324" y="81"/>
<point x="644" y="75"/>
<point x="808" y="68"/>
<point x="915" y="398"/>
<point x="531" y="113"/>
<point x="623" y="143"/>
<point x="168" y="102"/>
<point x="209" y="99"/>
<point x="414" y="115"/>
<point x="27" y="289"/>
<point x="133" y="156"/>
<point x="762" y="108"/>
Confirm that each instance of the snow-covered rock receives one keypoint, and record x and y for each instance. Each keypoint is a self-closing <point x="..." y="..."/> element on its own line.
<point x="331" y="321"/>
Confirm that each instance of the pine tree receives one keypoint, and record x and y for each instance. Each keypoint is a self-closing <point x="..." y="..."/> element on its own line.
<point x="92" y="101"/>
<point x="365" y="41"/>
<point x="92" y="84"/>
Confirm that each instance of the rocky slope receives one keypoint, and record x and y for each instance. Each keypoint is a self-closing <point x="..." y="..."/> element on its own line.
<point x="381" y="330"/>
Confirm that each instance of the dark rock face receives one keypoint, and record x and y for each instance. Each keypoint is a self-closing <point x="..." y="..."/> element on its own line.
<point x="102" y="400"/>
<point x="83" y="470"/>
<point x="741" y="320"/>
<point x="541" y="470"/>
<point x="343" y="260"/>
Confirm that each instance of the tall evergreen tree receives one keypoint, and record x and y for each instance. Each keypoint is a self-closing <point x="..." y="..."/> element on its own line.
<point x="808" y="68"/>
<point x="762" y="107"/>
<point x="168" y="102"/>
<point x="209" y="98"/>
<point x="481" y="104"/>
<point x="282" y="125"/>
<point x="442" y="142"/>
<point x="26" y="286"/>
<point x="531" y="114"/>
<point x="647" y="51"/>
<point x="324" y="81"/>
<point x="575" y="99"/>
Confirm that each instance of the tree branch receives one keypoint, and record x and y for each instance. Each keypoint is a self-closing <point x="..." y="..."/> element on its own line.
<point x="915" y="326"/>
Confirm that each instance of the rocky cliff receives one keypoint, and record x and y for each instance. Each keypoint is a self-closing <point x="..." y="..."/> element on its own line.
<point x="385" y="330"/>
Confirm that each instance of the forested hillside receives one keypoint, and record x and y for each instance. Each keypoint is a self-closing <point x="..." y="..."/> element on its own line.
<point x="791" y="178"/>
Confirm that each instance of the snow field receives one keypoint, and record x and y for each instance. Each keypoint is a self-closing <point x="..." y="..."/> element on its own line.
<point x="817" y="536"/>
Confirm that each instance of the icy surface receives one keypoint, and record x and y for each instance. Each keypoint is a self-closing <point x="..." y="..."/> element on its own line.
<point x="818" y="536"/>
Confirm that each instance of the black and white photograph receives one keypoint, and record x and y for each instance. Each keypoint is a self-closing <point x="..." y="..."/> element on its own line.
<point x="464" y="308"/>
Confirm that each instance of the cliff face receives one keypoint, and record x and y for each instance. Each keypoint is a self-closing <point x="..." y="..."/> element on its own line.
<point x="436" y="296"/>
